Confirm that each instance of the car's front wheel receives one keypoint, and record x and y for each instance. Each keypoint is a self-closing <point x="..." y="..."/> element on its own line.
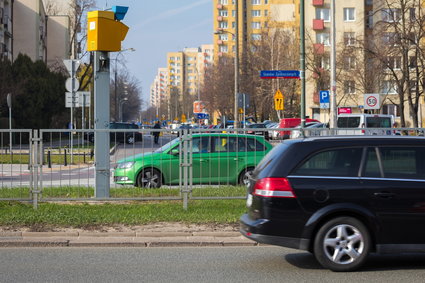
<point x="342" y="244"/>
<point x="149" y="178"/>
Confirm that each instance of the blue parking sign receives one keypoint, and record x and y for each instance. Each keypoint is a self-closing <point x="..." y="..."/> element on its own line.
<point x="324" y="99"/>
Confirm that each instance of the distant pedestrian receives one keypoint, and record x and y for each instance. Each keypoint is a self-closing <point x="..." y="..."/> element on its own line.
<point x="156" y="133"/>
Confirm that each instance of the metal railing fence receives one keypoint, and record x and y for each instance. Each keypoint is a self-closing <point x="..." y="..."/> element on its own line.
<point x="185" y="164"/>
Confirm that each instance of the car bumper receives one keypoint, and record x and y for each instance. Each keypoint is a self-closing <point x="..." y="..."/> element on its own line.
<point x="256" y="230"/>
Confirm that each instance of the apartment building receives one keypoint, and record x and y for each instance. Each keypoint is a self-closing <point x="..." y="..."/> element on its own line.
<point x="6" y="29"/>
<point x="352" y="29"/>
<point x="186" y="72"/>
<point x="158" y="89"/>
<point x="254" y="17"/>
<point x="30" y="29"/>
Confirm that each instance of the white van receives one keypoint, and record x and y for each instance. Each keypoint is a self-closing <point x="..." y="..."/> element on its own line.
<point x="367" y="124"/>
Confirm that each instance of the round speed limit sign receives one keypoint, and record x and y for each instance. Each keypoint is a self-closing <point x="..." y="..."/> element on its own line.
<point x="371" y="101"/>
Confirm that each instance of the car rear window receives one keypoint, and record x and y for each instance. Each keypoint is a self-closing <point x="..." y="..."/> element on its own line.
<point x="343" y="162"/>
<point x="348" y="122"/>
<point x="397" y="163"/>
<point x="378" y="122"/>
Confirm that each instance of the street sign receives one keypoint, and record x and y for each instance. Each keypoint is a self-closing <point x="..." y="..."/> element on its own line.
<point x="278" y="100"/>
<point x="198" y="106"/>
<point x="324" y="99"/>
<point x="84" y="98"/>
<point x="69" y="66"/>
<point x="372" y="101"/>
<point x="68" y="84"/>
<point x="202" y="115"/>
<point x="243" y="98"/>
<point x="71" y="99"/>
<point x="280" y="74"/>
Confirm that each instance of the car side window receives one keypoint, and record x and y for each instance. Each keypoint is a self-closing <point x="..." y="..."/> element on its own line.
<point x="224" y="144"/>
<point x="201" y="145"/>
<point x="342" y="162"/>
<point x="403" y="163"/>
<point x="250" y="144"/>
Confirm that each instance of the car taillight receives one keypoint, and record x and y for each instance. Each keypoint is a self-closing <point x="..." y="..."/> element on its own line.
<point x="274" y="187"/>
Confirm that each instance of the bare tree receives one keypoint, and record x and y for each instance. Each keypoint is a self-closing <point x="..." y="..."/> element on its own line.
<point x="397" y="45"/>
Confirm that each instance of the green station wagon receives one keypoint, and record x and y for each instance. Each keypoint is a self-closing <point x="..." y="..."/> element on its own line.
<point x="216" y="159"/>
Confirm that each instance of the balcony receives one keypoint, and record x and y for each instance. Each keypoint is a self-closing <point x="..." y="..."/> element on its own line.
<point x="219" y="6"/>
<point x="220" y="18"/>
<point x="316" y="97"/>
<point x="318" y="24"/>
<point x="318" y="48"/>
<point x="318" y="2"/>
<point x="219" y="42"/>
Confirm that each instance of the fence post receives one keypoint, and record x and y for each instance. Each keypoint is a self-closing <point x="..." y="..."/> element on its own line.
<point x="49" y="159"/>
<point x="65" y="161"/>
<point x="185" y="165"/>
<point x="35" y="165"/>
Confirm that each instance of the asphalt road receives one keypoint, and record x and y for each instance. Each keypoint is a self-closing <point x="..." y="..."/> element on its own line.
<point x="231" y="264"/>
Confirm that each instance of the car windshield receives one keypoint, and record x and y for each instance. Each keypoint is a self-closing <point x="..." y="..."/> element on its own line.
<point x="167" y="146"/>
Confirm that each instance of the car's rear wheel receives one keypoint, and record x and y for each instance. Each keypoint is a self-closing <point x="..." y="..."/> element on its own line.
<point x="342" y="244"/>
<point x="149" y="178"/>
<point x="244" y="176"/>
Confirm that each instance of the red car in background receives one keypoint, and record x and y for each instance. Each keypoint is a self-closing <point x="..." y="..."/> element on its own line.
<point x="286" y="123"/>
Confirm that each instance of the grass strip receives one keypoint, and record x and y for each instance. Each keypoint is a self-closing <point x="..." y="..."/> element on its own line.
<point x="124" y="192"/>
<point x="16" y="214"/>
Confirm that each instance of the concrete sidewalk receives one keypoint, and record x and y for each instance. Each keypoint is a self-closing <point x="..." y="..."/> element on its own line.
<point x="123" y="239"/>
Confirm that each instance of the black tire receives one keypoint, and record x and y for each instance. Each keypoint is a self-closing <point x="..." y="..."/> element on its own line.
<point x="342" y="244"/>
<point x="149" y="178"/>
<point x="243" y="176"/>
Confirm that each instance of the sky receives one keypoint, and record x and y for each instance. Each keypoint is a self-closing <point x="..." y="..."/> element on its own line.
<point x="158" y="27"/>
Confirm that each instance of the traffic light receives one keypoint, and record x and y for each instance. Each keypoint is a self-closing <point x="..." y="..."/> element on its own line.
<point x="105" y="31"/>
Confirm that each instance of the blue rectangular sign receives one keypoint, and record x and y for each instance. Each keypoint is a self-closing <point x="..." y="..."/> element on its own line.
<point x="202" y="115"/>
<point x="280" y="74"/>
<point x="324" y="99"/>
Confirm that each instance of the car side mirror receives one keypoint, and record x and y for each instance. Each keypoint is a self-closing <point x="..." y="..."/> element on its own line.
<point x="174" y="151"/>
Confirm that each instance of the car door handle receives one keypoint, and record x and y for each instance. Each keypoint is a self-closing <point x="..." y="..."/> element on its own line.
<point x="238" y="159"/>
<point x="203" y="160"/>
<point x="384" y="195"/>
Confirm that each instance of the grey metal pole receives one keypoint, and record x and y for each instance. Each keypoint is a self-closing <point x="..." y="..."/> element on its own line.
<point x="101" y="122"/>
<point x="302" y="61"/>
<point x="9" y="104"/>
<point x="333" y="106"/>
<point x="235" y="123"/>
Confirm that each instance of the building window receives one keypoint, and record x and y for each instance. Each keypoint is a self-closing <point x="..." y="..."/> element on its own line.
<point x="391" y="15"/>
<point x="349" y="87"/>
<point x="349" y="38"/>
<point x="256" y="36"/>
<point x="233" y="25"/>
<point x="412" y="14"/>
<point x="223" y="48"/>
<point x="266" y="1"/>
<point x="349" y="63"/>
<point x="233" y="13"/>
<point x="390" y="109"/>
<point x="256" y="25"/>
<point x="266" y="13"/>
<point x="390" y="38"/>
<point x="256" y="13"/>
<point x="389" y="87"/>
<point x="222" y="13"/>
<point x="325" y="62"/>
<point x="256" y="2"/>
<point x="349" y="14"/>
<point x="224" y="2"/>
<point x="323" y="14"/>
<point x="369" y="19"/>
<point x="222" y="25"/>
<point x="323" y="38"/>
<point x="223" y="37"/>
<point x="393" y="63"/>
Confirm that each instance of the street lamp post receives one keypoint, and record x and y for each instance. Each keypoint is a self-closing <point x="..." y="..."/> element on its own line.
<point x="122" y="101"/>
<point x="115" y="80"/>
